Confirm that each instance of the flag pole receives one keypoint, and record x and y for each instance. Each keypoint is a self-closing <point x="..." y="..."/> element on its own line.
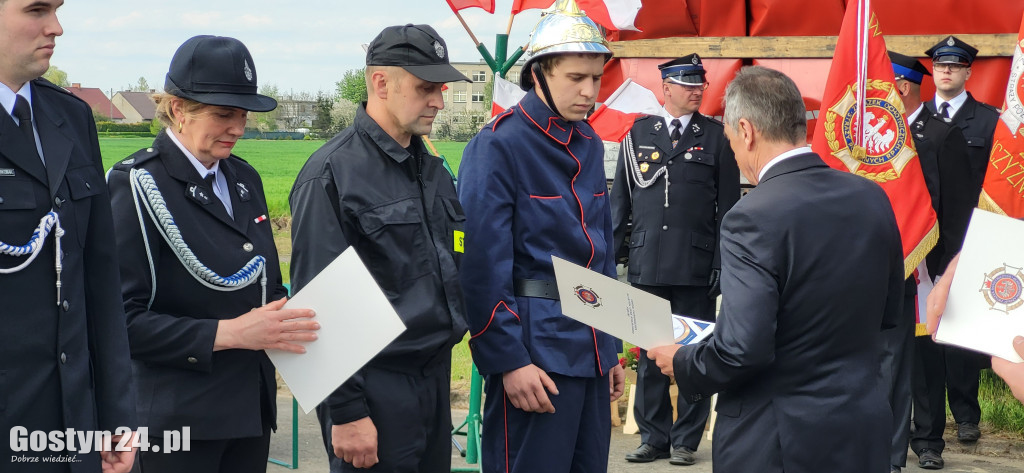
<point x="511" y="17"/>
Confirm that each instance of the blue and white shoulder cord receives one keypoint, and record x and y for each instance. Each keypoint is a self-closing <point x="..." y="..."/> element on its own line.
<point x="35" y="243"/>
<point x="143" y="185"/>
<point x="634" y="168"/>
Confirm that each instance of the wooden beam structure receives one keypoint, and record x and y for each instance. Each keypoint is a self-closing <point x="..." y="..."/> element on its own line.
<point x="792" y="47"/>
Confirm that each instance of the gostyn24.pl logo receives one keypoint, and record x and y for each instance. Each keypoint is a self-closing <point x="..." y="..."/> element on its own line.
<point x="86" y="441"/>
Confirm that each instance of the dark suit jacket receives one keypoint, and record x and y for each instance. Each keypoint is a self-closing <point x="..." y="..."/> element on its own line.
<point x="61" y="365"/>
<point x="812" y="269"/>
<point x="677" y="244"/>
<point x="947" y="173"/>
<point x="978" y="121"/>
<point x="181" y="380"/>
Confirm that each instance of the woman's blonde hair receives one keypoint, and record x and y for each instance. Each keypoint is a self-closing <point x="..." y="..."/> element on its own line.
<point x="164" y="112"/>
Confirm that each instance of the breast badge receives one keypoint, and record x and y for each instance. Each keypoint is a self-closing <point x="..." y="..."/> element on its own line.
<point x="644" y="167"/>
<point x="655" y="155"/>
<point x="1002" y="288"/>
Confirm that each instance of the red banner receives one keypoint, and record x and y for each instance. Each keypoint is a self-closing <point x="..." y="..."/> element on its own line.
<point x="861" y="129"/>
<point x="520" y="5"/>
<point x="487" y="5"/>
<point x="1003" y="191"/>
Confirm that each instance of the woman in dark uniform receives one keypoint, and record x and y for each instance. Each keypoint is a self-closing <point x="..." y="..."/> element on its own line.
<point x="197" y="255"/>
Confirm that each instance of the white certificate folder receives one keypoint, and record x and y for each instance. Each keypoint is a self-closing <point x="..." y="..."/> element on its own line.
<point x="621" y="310"/>
<point x="985" y="308"/>
<point x="356" y="322"/>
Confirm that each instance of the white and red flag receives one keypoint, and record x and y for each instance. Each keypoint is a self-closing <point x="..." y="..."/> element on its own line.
<point x="1003" y="192"/>
<point x="486" y="5"/>
<point x="615" y="117"/>
<point x="862" y="129"/>
<point x="506" y="94"/>
<point x="611" y="14"/>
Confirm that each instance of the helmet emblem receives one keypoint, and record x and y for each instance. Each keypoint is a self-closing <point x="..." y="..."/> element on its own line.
<point x="247" y="70"/>
<point x="439" y="49"/>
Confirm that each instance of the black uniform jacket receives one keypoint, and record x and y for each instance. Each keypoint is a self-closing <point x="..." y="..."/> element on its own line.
<point x="812" y="271"/>
<point x="947" y="173"/>
<point x="172" y="317"/>
<point x="674" y="244"/>
<point x="62" y="365"/>
<point x="400" y="212"/>
<point x="978" y="121"/>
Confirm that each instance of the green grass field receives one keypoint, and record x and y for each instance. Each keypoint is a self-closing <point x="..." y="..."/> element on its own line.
<point x="278" y="162"/>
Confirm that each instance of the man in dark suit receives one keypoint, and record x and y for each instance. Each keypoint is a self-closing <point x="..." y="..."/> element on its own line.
<point x="676" y="177"/>
<point x="947" y="173"/>
<point x="952" y="59"/>
<point x="64" y="360"/>
<point x="796" y="350"/>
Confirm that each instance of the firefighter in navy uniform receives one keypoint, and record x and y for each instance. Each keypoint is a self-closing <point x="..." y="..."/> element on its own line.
<point x="375" y="187"/>
<point x="533" y="185"/>
<point x="947" y="173"/>
<point x="952" y="59"/>
<point x="64" y="361"/>
<point x="676" y="176"/>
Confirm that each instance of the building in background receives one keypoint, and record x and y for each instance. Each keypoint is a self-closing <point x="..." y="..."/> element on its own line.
<point x="137" y="107"/>
<point x="466" y="104"/>
<point x="101" y="105"/>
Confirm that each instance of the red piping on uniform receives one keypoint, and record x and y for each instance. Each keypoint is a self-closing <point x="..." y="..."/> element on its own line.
<point x="494" y="126"/>
<point x="599" y="195"/>
<point x="504" y="406"/>
<point x="583" y="134"/>
<point x="546" y="197"/>
<point x="597" y="352"/>
<point x="583" y="224"/>
<point x="552" y="121"/>
<point x="566" y="143"/>
<point x="492" y="317"/>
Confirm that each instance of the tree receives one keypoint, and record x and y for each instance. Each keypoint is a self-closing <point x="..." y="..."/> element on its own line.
<point x="323" y="124"/>
<point x="57" y="76"/>
<point x="489" y="93"/>
<point x="343" y="114"/>
<point x="267" y="121"/>
<point x="352" y="86"/>
<point x="141" y="86"/>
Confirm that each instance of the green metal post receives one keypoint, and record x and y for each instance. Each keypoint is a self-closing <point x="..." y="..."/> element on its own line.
<point x="500" y="49"/>
<point x="294" y="465"/>
<point x="472" y="423"/>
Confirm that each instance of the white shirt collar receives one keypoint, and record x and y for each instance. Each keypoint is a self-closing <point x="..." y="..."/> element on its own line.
<point x="913" y="116"/>
<point x="200" y="168"/>
<point x="683" y="120"/>
<point x="954" y="105"/>
<point x="782" y="157"/>
<point x="8" y="97"/>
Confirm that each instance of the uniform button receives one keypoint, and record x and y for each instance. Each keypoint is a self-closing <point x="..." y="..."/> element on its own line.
<point x="57" y="201"/>
<point x="63" y="358"/>
<point x="65" y="305"/>
<point x="688" y="156"/>
<point x="88" y="186"/>
<point x="670" y="161"/>
<point x="149" y="150"/>
<point x="247" y="247"/>
<point x="193" y="360"/>
<point x="1" y="200"/>
<point x="666" y="205"/>
<point x="664" y="227"/>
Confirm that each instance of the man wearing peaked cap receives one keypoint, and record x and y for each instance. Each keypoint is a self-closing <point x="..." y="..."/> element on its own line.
<point x="532" y="183"/>
<point x="676" y="177"/>
<point x="952" y="60"/>
<point x="951" y="64"/>
<point x="908" y="361"/>
<point x="374" y="187"/>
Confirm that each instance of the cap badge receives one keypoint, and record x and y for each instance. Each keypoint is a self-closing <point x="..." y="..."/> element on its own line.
<point x="247" y="70"/>
<point x="950" y="42"/>
<point x="439" y="49"/>
<point x="695" y="60"/>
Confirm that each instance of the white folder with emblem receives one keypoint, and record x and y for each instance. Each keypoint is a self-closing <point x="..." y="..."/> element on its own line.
<point x="985" y="308"/>
<point x="356" y="322"/>
<point x="621" y="310"/>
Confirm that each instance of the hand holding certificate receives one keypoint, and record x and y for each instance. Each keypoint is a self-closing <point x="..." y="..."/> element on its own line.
<point x="356" y="322"/>
<point x="621" y="310"/>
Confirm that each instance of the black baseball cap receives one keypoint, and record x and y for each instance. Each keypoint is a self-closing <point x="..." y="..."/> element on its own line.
<point x="216" y="70"/>
<point x="415" y="48"/>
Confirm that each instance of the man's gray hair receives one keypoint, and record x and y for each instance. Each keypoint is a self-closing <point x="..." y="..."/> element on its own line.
<point x="770" y="101"/>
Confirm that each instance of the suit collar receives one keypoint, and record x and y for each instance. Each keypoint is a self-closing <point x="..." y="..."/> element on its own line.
<point x="541" y="116"/>
<point x="195" y="189"/>
<point x="690" y="134"/>
<point x="19" y="151"/>
<point x="793" y="164"/>
<point x="53" y="134"/>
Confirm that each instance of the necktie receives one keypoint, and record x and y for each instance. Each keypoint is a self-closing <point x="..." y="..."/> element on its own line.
<point x="944" y="111"/>
<point x="23" y="112"/>
<point x="676" y="133"/>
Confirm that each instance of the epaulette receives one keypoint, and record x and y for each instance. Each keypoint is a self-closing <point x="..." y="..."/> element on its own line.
<point x="500" y="116"/>
<point x="641" y="117"/>
<point x="41" y="82"/>
<point x="136" y="158"/>
<point x="985" y="105"/>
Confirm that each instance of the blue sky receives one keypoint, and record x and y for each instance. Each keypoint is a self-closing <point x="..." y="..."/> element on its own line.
<point x="303" y="46"/>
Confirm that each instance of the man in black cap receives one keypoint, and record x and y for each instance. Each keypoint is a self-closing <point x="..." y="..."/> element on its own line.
<point x="374" y="187"/>
<point x="64" y="362"/>
<point x="943" y="157"/>
<point x="952" y="59"/>
<point x="676" y="177"/>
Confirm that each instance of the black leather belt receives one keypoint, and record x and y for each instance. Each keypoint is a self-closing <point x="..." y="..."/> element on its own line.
<point x="536" y="288"/>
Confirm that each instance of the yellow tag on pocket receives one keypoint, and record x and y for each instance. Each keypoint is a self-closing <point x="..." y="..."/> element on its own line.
<point x="460" y="243"/>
